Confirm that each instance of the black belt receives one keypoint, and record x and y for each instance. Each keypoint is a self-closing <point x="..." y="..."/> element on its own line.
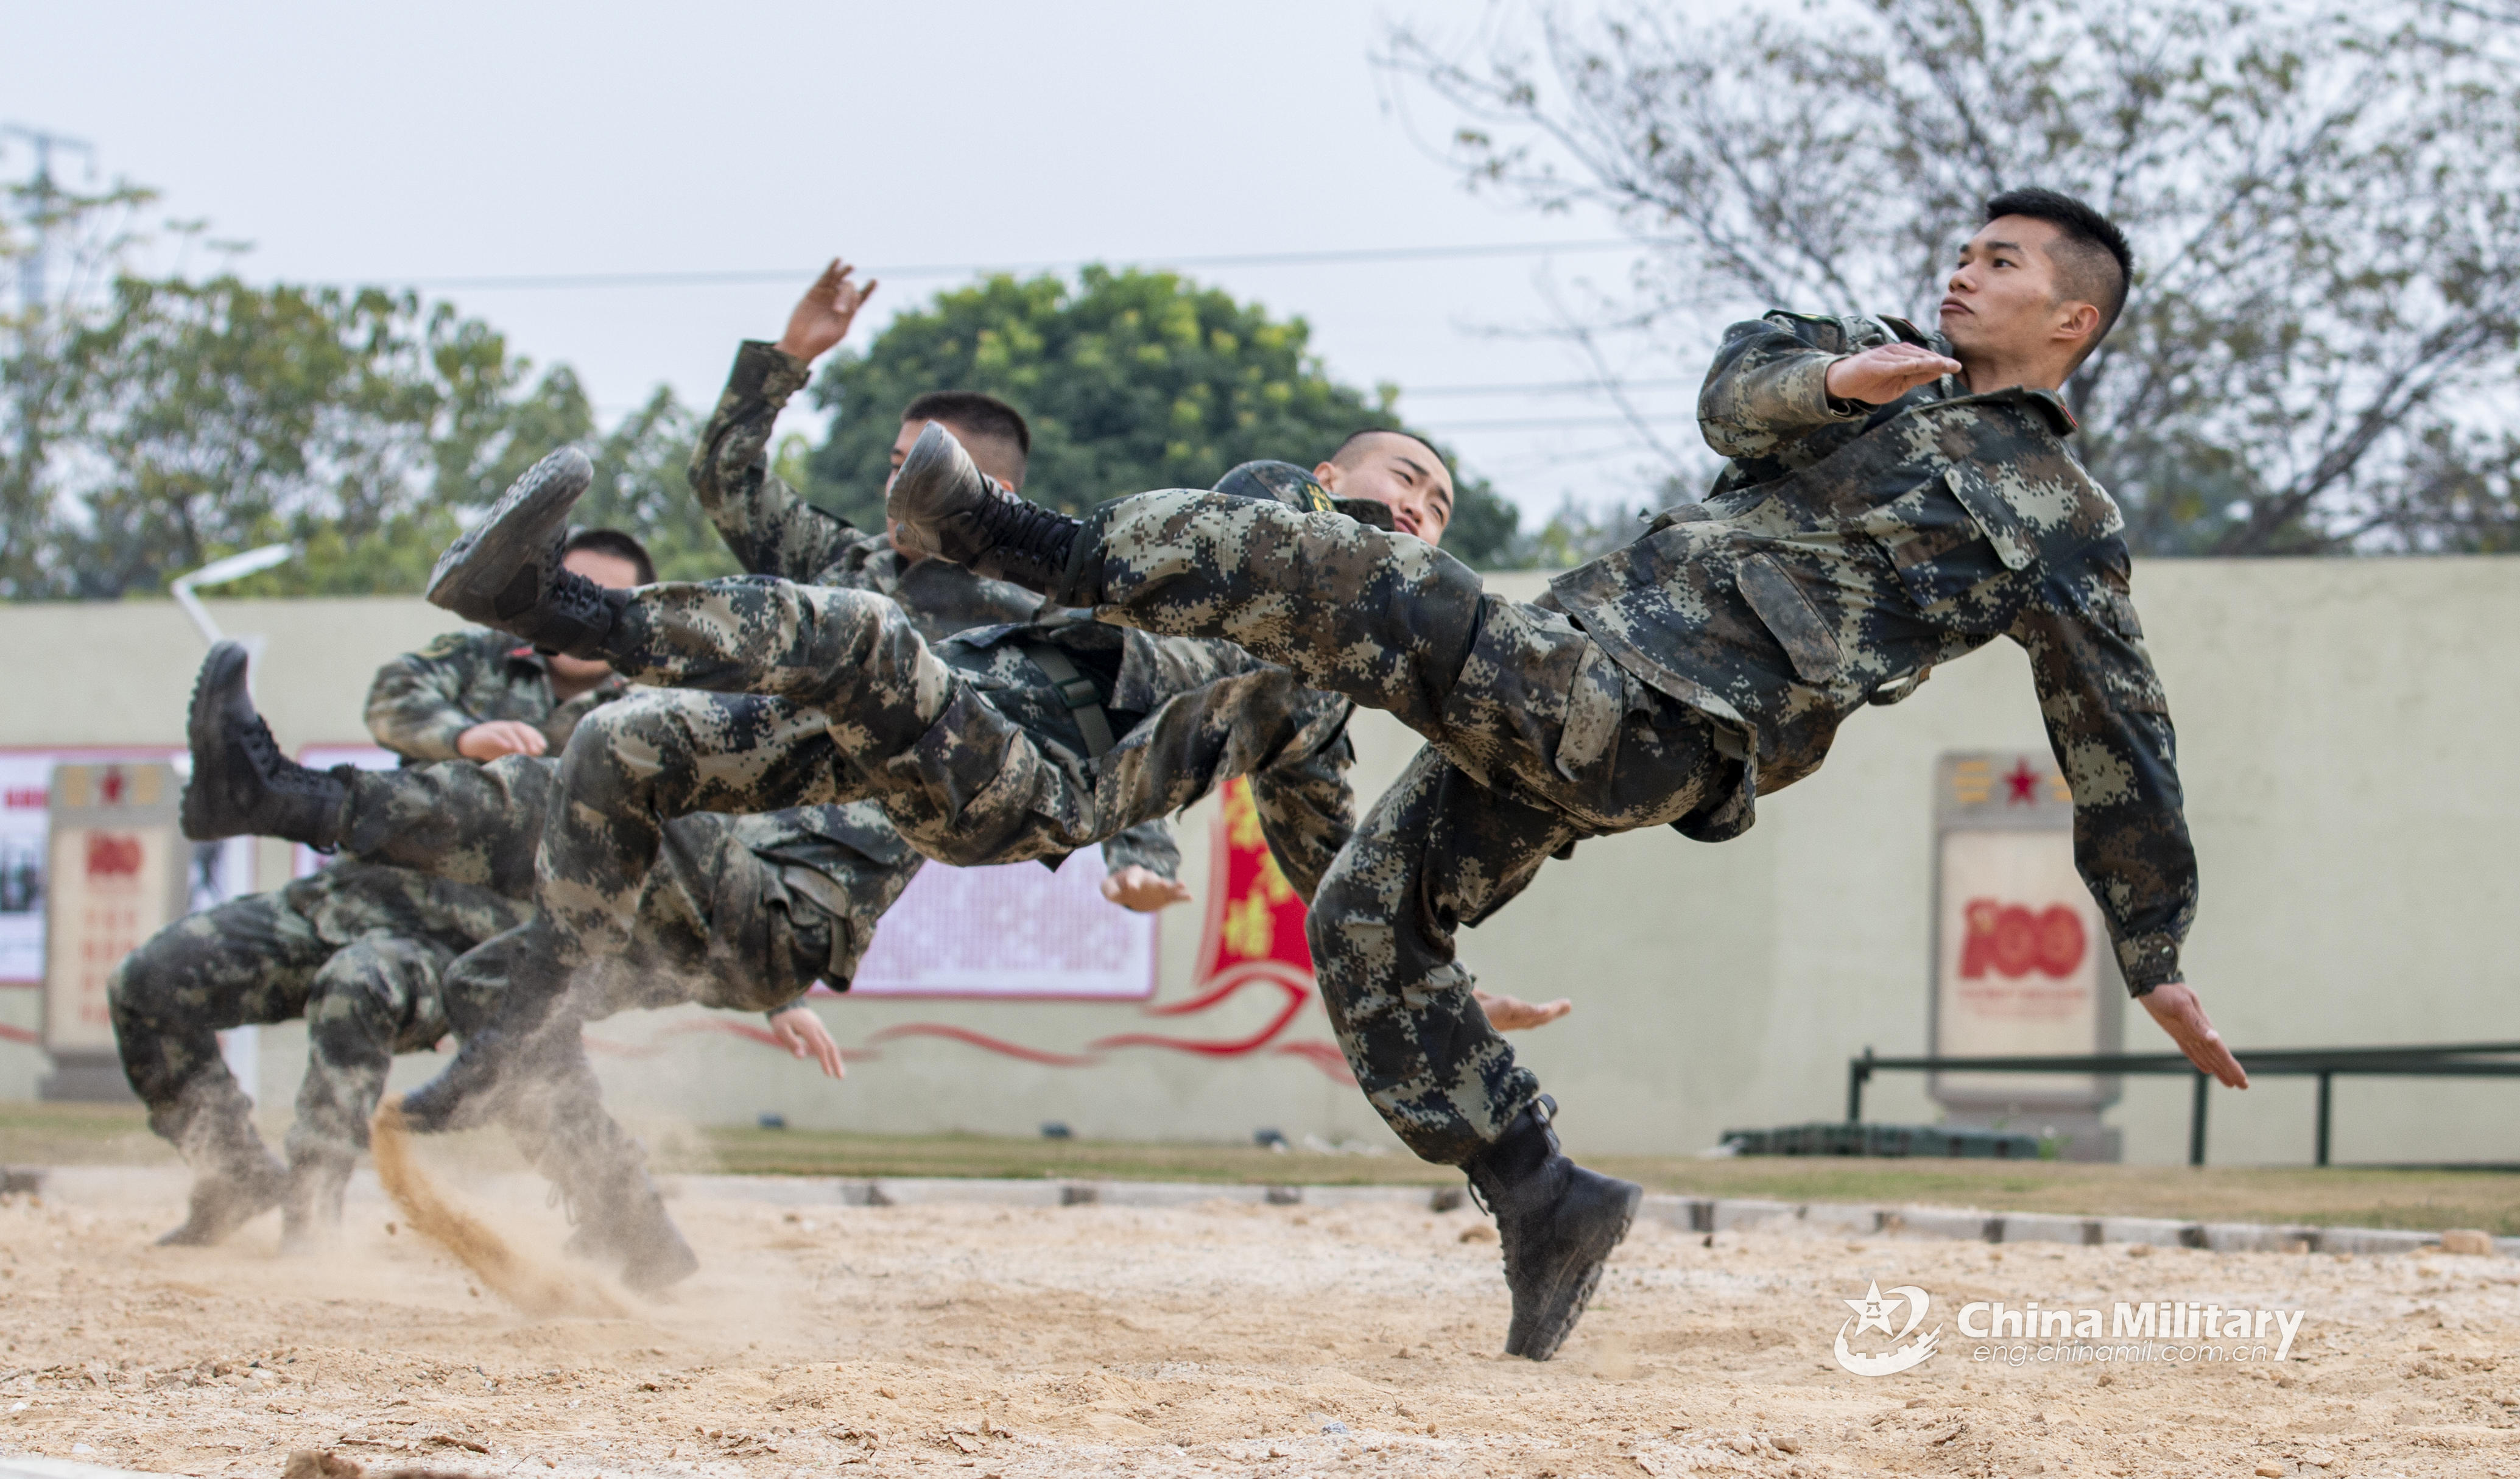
<point x="1077" y="692"/>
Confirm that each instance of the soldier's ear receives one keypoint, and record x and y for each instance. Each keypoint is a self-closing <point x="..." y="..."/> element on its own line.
<point x="2079" y="322"/>
<point x="1327" y="476"/>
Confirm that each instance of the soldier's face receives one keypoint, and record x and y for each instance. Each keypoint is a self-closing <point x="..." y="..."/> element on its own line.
<point x="609" y="571"/>
<point x="2002" y="301"/>
<point x="1001" y="459"/>
<point x="1398" y="472"/>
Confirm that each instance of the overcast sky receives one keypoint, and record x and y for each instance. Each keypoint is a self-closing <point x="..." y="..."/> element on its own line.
<point x="426" y="146"/>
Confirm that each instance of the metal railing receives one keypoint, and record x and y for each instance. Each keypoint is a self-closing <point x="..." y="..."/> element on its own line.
<point x="2327" y="1064"/>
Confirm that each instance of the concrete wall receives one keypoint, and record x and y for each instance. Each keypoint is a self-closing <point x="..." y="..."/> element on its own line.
<point x="2343" y="734"/>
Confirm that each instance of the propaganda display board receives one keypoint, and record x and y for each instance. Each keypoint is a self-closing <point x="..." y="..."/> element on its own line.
<point x="1014" y="930"/>
<point x="117" y="870"/>
<point x="219" y="870"/>
<point x="2021" y="963"/>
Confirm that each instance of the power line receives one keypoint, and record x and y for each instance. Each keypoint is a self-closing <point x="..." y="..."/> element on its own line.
<point x="533" y="282"/>
<point x="1554" y="388"/>
<point x="1544" y="423"/>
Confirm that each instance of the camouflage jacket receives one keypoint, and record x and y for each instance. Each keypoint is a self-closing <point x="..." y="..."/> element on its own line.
<point x="1849" y="549"/>
<point x="773" y="531"/>
<point x="422" y="701"/>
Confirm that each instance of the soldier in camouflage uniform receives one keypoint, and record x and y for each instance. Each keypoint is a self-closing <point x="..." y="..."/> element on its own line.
<point x="357" y="951"/>
<point x="1894" y="501"/>
<point x="740" y="913"/>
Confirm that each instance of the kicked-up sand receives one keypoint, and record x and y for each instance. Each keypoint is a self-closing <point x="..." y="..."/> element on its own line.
<point x="1217" y="1338"/>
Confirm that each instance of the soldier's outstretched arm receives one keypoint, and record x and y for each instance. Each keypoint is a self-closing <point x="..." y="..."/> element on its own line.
<point x="415" y="705"/>
<point x="2108" y="724"/>
<point x="1769" y="383"/>
<point x="769" y="527"/>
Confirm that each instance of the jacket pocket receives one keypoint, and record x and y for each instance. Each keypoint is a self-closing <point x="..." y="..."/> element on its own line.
<point x="1947" y="535"/>
<point x="1791" y="617"/>
<point x="2003" y="528"/>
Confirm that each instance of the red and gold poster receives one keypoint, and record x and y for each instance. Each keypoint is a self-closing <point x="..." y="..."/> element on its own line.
<point x="118" y="872"/>
<point x="1255" y="922"/>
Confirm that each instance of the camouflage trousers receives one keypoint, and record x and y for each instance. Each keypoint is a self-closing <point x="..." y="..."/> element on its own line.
<point x="709" y="920"/>
<point x="1535" y="741"/>
<point x="822" y="694"/>
<point x="359" y="952"/>
<point x="696" y="914"/>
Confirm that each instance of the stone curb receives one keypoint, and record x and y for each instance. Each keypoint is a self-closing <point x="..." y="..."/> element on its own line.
<point x="1687" y="1214"/>
<point x="29" y="1467"/>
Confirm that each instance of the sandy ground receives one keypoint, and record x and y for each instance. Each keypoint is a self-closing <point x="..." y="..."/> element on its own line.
<point x="1220" y="1338"/>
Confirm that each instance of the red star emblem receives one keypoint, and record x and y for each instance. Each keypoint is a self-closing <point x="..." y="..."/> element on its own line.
<point x="113" y="787"/>
<point x="2024" y="784"/>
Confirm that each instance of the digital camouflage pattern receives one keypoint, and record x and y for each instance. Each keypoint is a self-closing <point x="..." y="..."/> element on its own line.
<point x="422" y="701"/>
<point x="1673" y="681"/>
<point x="1934" y="525"/>
<point x="713" y="918"/>
<point x="773" y="531"/>
<point x="833" y="697"/>
<point x="359" y="952"/>
<point x="855" y="705"/>
<point x="965" y="744"/>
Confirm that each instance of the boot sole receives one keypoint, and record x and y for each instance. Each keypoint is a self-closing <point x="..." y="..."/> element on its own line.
<point x="486" y="560"/>
<point x="931" y="459"/>
<point x="1542" y="1343"/>
<point x="222" y="672"/>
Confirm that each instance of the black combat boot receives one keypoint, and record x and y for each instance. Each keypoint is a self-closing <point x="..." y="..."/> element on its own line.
<point x="945" y="505"/>
<point x="622" y="1221"/>
<point x="1558" y="1222"/>
<point x="459" y="1096"/>
<point x="506" y="570"/>
<point x="646" y="1248"/>
<point x="310" y="1214"/>
<point x="241" y="784"/>
<point x="235" y="1177"/>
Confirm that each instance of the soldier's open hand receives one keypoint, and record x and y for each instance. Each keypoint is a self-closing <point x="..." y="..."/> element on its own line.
<point x="822" y="317"/>
<point x="1510" y="1013"/>
<point x="2175" y="1007"/>
<point x="1883" y="374"/>
<point x="1144" y="889"/>
<point x="487" y="742"/>
<point x="804" y="1036"/>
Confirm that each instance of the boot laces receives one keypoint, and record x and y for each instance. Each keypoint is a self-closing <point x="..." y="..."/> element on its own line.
<point x="279" y="773"/>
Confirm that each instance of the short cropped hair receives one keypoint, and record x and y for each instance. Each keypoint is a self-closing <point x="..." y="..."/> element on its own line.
<point x="2097" y="266"/>
<point x="1350" y="449"/>
<point x="975" y="413"/>
<point x="617" y="544"/>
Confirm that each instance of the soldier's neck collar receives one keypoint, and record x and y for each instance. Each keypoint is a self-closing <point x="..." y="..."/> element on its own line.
<point x="2049" y="405"/>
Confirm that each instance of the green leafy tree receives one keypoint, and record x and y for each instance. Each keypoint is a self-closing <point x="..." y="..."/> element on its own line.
<point x="2320" y="351"/>
<point x="1130" y="380"/>
<point x="157" y="423"/>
